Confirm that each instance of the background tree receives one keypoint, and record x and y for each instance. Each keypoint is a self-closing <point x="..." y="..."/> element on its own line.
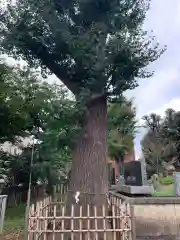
<point x="160" y="143"/>
<point x="25" y="101"/>
<point x="32" y="103"/>
<point x="98" y="50"/>
<point x="171" y="132"/>
<point x="12" y="118"/>
<point x="152" y="144"/>
<point x="121" y="131"/>
<point x="121" y="128"/>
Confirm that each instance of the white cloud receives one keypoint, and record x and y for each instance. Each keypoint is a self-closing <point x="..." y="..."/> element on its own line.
<point x="161" y="91"/>
<point x="152" y="92"/>
<point x="174" y="104"/>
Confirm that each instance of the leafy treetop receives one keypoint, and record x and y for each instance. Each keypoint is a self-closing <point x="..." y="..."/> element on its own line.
<point x="28" y="103"/>
<point x="121" y="126"/>
<point x="95" y="47"/>
<point x="160" y="145"/>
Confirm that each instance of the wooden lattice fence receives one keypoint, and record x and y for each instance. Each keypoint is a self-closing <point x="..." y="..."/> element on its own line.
<point x="49" y="221"/>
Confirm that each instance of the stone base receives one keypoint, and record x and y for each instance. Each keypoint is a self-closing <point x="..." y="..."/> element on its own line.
<point x="139" y="190"/>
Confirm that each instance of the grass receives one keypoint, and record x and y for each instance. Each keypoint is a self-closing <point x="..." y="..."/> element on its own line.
<point x="166" y="180"/>
<point x="166" y="187"/>
<point x="14" y="223"/>
<point x="165" y="191"/>
<point x="14" y="218"/>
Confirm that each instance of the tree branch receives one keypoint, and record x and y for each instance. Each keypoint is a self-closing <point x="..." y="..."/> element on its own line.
<point x="41" y="52"/>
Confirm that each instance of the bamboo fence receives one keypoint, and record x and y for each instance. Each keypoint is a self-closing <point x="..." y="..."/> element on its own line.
<point x="49" y="221"/>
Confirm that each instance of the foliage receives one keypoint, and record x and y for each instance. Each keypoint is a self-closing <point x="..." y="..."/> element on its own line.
<point x="121" y="126"/>
<point x="97" y="48"/>
<point x="171" y="131"/>
<point x="152" y="145"/>
<point x="155" y="147"/>
<point x="166" y="180"/>
<point x="56" y="118"/>
<point x="165" y="187"/>
<point x="11" y="105"/>
<point x="165" y="191"/>
<point x="160" y="145"/>
<point x="94" y="46"/>
<point x="38" y="110"/>
<point x="26" y="102"/>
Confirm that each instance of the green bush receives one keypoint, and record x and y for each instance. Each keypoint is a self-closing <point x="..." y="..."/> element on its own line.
<point x="166" y="180"/>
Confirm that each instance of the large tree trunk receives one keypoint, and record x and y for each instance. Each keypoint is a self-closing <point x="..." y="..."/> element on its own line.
<point x="89" y="166"/>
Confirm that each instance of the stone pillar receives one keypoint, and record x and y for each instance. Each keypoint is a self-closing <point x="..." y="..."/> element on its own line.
<point x="143" y="171"/>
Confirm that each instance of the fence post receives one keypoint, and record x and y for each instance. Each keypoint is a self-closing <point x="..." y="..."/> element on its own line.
<point x="3" y="209"/>
<point x="133" y="224"/>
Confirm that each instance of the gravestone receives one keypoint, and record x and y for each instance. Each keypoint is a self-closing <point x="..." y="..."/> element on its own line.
<point x="135" y="180"/>
<point x="132" y="173"/>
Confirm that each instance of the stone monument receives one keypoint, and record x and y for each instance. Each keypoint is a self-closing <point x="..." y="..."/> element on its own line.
<point x="143" y="171"/>
<point x="132" y="174"/>
<point x="135" y="180"/>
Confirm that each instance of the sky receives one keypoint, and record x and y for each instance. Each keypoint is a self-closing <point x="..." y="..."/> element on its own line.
<point x="161" y="91"/>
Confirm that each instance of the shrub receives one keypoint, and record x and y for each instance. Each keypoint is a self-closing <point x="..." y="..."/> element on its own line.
<point x="166" y="180"/>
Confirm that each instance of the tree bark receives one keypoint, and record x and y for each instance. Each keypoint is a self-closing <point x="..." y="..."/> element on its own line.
<point x="89" y="166"/>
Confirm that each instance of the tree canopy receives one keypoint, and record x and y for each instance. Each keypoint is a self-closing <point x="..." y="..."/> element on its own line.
<point x="33" y="108"/>
<point x="93" y="47"/>
<point x="26" y="102"/>
<point x="160" y="145"/>
<point x="121" y="128"/>
<point x="98" y="49"/>
<point x="46" y="112"/>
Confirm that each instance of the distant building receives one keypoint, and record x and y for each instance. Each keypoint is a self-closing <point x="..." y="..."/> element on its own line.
<point x="16" y="149"/>
<point x="8" y="147"/>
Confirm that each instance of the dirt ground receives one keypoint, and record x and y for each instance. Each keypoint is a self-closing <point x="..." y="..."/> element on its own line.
<point x="159" y="238"/>
<point x="11" y="236"/>
<point x="19" y="236"/>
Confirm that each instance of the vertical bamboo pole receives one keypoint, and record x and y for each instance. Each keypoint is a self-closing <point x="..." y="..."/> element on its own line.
<point x="114" y="222"/>
<point x="123" y="220"/>
<point x="37" y="221"/>
<point x="133" y="225"/>
<point x="46" y="223"/>
<point x="62" y="223"/>
<point x="95" y="222"/>
<point x="72" y="222"/>
<point x="104" y="222"/>
<point x="80" y="222"/>
<point x="119" y="218"/>
<point x="29" y="194"/>
<point x="88" y="221"/>
<point x="54" y="221"/>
